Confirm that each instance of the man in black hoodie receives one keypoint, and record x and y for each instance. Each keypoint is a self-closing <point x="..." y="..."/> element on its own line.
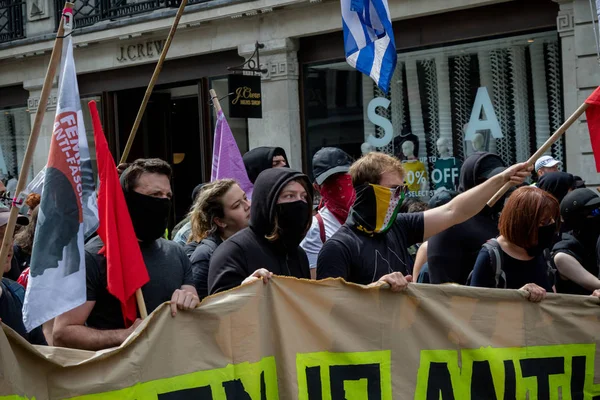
<point x="280" y="216"/>
<point x="261" y="158"/>
<point x="452" y="253"/>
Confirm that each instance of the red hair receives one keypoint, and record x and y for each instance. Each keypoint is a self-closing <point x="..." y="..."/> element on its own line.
<point x="526" y="210"/>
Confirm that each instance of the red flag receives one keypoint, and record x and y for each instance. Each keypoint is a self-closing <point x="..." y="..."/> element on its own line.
<point x="125" y="268"/>
<point x="593" y="119"/>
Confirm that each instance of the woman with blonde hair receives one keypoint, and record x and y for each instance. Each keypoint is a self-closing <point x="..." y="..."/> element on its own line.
<point x="220" y="211"/>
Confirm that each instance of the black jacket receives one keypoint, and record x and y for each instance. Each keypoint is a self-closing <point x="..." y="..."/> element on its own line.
<point x="248" y="250"/>
<point x="451" y="254"/>
<point x="585" y="253"/>
<point x="200" y="259"/>
<point x="261" y="158"/>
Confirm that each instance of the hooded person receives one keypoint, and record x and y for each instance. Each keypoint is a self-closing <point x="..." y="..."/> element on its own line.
<point x="280" y="216"/>
<point x="558" y="184"/>
<point x="451" y="254"/>
<point x="371" y="247"/>
<point x="332" y="181"/>
<point x="262" y="158"/>
<point x="575" y="256"/>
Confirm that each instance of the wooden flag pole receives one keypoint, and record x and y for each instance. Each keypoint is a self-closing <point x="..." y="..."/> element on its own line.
<point x="33" y="138"/>
<point x="159" y="64"/>
<point x="544" y="148"/>
<point x="215" y="100"/>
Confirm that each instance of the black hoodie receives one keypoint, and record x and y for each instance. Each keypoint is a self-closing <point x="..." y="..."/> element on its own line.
<point x="261" y="158"/>
<point x="451" y="254"/>
<point x="248" y="250"/>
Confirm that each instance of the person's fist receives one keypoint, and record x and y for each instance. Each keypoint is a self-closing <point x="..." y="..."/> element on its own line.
<point x="396" y="281"/>
<point x="262" y="273"/>
<point x="536" y="293"/>
<point x="517" y="173"/>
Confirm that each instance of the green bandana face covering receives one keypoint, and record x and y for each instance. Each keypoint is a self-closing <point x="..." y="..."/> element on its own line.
<point x="376" y="207"/>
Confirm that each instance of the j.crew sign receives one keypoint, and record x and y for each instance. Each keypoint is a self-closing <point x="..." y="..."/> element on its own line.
<point x="140" y="51"/>
<point x="245" y="100"/>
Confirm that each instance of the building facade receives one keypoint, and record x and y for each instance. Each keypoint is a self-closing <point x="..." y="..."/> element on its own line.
<point x="519" y="65"/>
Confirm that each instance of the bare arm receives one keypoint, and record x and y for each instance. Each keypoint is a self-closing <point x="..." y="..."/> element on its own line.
<point x="570" y="268"/>
<point x="420" y="260"/>
<point x="69" y="331"/>
<point x="471" y="202"/>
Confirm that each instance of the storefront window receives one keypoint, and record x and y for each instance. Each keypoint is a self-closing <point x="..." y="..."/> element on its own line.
<point x="15" y="127"/>
<point x="503" y="96"/>
<point x="333" y="108"/>
<point x="239" y="126"/>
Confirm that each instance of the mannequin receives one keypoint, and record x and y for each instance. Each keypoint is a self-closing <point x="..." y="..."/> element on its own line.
<point x="366" y="148"/>
<point x="447" y="168"/>
<point x="478" y="142"/>
<point x="415" y="169"/>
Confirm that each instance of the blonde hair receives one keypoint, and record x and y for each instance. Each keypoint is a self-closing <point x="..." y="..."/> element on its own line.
<point x="369" y="168"/>
<point x="207" y="207"/>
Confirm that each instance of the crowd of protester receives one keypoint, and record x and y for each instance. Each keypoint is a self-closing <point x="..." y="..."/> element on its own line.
<point x="366" y="229"/>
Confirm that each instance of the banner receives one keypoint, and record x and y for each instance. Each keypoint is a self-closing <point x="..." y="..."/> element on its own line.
<point x="328" y="340"/>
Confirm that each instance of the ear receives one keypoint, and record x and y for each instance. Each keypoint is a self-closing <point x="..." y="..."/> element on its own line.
<point x="220" y="223"/>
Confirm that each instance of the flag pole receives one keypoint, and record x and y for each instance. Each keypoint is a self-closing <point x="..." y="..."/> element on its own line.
<point x="544" y="148"/>
<point x="159" y="64"/>
<point x="33" y="138"/>
<point x="215" y="100"/>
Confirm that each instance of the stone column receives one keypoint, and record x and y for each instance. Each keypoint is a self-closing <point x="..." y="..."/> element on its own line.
<point x="565" y="25"/>
<point x="34" y="86"/>
<point x="280" y="124"/>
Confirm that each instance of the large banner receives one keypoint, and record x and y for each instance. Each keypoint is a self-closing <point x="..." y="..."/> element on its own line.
<point x="328" y="340"/>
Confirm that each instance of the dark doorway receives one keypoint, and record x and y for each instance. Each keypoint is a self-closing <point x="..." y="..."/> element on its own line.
<point x="187" y="161"/>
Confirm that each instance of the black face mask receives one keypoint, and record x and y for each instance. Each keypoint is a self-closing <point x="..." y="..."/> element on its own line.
<point x="149" y="215"/>
<point x="545" y="240"/>
<point x="292" y="219"/>
<point x="588" y="230"/>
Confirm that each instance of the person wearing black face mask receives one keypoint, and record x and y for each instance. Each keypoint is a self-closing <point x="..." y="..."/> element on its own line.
<point x="527" y="226"/>
<point x="575" y="256"/>
<point x="280" y="216"/>
<point x="99" y="323"/>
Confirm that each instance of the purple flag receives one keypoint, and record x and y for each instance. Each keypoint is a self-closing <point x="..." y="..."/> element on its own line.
<point x="227" y="161"/>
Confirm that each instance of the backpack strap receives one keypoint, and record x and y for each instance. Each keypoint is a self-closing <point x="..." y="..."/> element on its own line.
<point x="496" y="260"/>
<point x="16" y="290"/>
<point x="321" y="227"/>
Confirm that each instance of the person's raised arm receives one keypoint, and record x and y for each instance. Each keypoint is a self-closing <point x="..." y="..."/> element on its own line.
<point x="70" y="331"/>
<point x="471" y="202"/>
<point x="570" y="268"/>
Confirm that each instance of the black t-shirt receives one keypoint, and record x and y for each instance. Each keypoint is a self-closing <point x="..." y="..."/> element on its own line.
<point x="452" y="253"/>
<point x="585" y="253"/>
<point x="518" y="272"/>
<point x="363" y="259"/>
<point x="168" y="268"/>
<point x="11" y="306"/>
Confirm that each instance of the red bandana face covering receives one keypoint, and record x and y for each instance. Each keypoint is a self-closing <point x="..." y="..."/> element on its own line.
<point x="338" y="195"/>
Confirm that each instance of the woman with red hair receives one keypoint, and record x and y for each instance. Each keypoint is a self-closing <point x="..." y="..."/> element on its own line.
<point x="515" y="260"/>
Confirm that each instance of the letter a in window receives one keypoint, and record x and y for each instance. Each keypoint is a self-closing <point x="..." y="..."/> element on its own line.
<point x="483" y="117"/>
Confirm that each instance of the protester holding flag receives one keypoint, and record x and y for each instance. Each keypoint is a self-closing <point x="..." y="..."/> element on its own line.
<point x="221" y="210"/>
<point x="262" y="158"/>
<point x="372" y="245"/>
<point x="100" y="322"/>
<point x="515" y="260"/>
<point x="332" y="181"/>
<point x="280" y="216"/>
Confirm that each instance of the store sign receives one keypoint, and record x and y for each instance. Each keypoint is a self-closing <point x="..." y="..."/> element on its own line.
<point x="245" y="99"/>
<point x="380" y="121"/>
<point x="140" y="51"/>
<point x="483" y="117"/>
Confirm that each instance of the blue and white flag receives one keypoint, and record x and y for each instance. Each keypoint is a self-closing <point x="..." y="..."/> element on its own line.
<point x="369" y="39"/>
